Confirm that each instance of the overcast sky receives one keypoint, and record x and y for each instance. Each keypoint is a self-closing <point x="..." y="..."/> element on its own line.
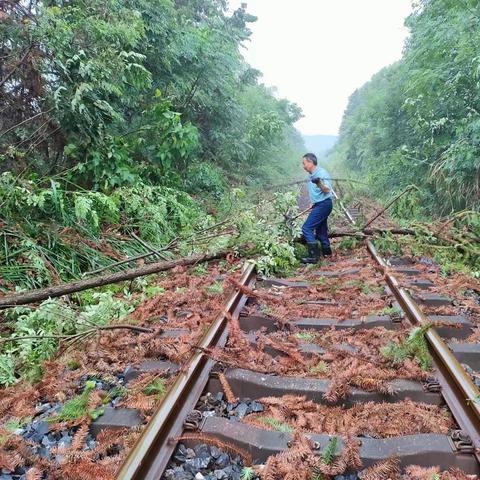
<point x="317" y="52"/>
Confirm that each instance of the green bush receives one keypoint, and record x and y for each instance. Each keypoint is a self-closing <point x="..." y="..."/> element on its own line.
<point x="206" y="179"/>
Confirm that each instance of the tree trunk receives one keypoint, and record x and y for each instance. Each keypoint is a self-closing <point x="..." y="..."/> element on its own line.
<point x="78" y="286"/>
<point x="373" y="231"/>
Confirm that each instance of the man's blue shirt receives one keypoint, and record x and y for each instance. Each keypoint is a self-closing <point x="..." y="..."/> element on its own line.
<point x="316" y="194"/>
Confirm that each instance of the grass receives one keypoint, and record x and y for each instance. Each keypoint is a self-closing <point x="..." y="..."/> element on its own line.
<point x="200" y="270"/>
<point x="306" y="336"/>
<point x="334" y="288"/>
<point x="359" y="284"/>
<point x="248" y="473"/>
<point x="266" y="310"/>
<point x="215" y="288"/>
<point x="321" y="367"/>
<point x="76" y="407"/>
<point x="17" y="423"/>
<point x="394" y="312"/>
<point x="116" y="392"/>
<point x="349" y="243"/>
<point x="157" y="388"/>
<point x="277" y="425"/>
<point x="321" y="281"/>
<point x="414" y="346"/>
<point x="153" y="291"/>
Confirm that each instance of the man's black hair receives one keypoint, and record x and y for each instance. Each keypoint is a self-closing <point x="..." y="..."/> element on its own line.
<point x="312" y="157"/>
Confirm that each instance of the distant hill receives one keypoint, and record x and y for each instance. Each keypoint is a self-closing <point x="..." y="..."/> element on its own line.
<point x="319" y="144"/>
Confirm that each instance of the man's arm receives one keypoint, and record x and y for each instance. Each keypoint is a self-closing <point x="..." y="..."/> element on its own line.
<point x="321" y="185"/>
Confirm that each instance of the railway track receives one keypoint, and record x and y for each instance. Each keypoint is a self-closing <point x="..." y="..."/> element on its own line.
<point x="281" y="359"/>
<point x="359" y="367"/>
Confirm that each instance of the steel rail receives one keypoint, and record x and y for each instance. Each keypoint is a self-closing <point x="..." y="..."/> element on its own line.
<point x="151" y="453"/>
<point x="460" y="393"/>
<point x="345" y="210"/>
<point x="458" y="390"/>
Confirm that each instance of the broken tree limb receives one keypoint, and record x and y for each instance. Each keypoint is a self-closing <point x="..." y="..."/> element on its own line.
<point x="381" y="212"/>
<point x="372" y="231"/>
<point x="158" y="254"/>
<point x="132" y="259"/>
<point x="68" y="288"/>
<point x="152" y="251"/>
<point x="77" y="335"/>
<point x="393" y="231"/>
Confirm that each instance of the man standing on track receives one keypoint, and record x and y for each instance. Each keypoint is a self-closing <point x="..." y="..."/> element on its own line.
<point x="315" y="227"/>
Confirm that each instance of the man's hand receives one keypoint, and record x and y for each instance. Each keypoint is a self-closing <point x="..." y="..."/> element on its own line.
<point x="318" y="182"/>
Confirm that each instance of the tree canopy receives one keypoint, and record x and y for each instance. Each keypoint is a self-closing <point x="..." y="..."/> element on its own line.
<point x="418" y="121"/>
<point x="120" y="91"/>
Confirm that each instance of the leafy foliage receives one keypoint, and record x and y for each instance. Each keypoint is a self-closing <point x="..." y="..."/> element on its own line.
<point x="417" y="121"/>
<point x="415" y="346"/>
<point x="121" y="120"/>
<point x="118" y="93"/>
<point x="328" y="455"/>
<point x="156" y="388"/>
<point x="321" y="367"/>
<point x="58" y="234"/>
<point x="45" y="324"/>
<point x="263" y="229"/>
<point x="276" y="425"/>
<point x="76" y="407"/>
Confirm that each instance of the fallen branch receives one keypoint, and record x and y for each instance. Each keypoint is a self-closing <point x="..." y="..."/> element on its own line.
<point x="77" y="335"/>
<point x="68" y="288"/>
<point x="372" y="231"/>
<point x="173" y="243"/>
<point x="132" y="259"/>
<point x="345" y="211"/>
<point x="381" y="212"/>
<point x="152" y="250"/>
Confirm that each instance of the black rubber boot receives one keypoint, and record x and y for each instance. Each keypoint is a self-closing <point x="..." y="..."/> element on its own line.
<point x="300" y="239"/>
<point x="326" y="251"/>
<point x="313" y="254"/>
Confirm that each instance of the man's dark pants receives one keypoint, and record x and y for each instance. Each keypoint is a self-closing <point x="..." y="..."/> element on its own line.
<point x="315" y="227"/>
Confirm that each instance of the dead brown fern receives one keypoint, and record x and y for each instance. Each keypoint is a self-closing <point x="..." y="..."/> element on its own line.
<point x="34" y="474"/>
<point x="10" y="460"/>
<point x="231" y="398"/>
<point x="455" y="474"/>
<point x="415" y="472"/>
<point x="211" y="440"/>
<point x="388" y="469"/>
<point x="87" y="470"/>
<point x="78" y="441"/>
<point x="378" y="420"/>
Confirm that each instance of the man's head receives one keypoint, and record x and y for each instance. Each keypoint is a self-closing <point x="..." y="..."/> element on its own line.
<point x="310" y="162"/>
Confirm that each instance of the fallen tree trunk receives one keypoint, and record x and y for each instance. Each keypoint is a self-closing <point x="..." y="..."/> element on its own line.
<point x="373" y="231"/>
<point x="78" y="286"/>
<point x="393" y="231"/>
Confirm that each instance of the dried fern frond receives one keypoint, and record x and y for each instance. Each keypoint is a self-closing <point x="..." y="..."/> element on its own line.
<point x="455" y="474"/>
<point x="10" y="461"/>
<point x="415" y="472"/>
<point x="227" y="389"/>
<point x="87" y="470"/>
<point x="389" y="468"/>
<point x="34" y="474"/>
<point x="211" y="440"/>
<point x="79" y="438"/>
